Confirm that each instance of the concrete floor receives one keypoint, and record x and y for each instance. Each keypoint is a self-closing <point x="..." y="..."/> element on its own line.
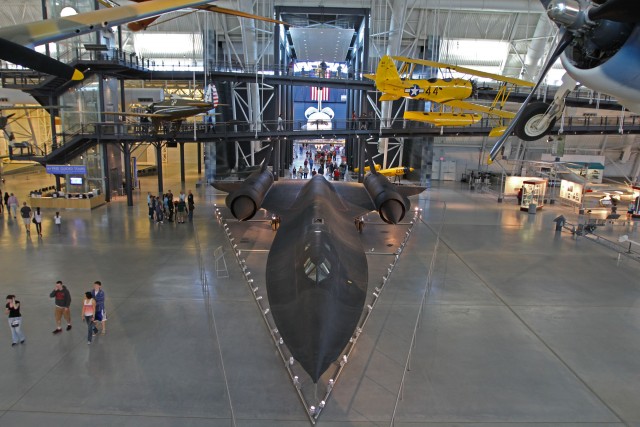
<point x="523" y="326"/>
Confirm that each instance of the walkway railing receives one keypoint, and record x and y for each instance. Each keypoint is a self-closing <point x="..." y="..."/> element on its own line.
<point x="242" y="131"/>
<point x="131" y="60"/>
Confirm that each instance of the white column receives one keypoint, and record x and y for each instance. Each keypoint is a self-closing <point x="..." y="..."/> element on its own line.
<point x="396" y="25"/>
<point x="250" y="53"/>
<point x="535" y="53"/>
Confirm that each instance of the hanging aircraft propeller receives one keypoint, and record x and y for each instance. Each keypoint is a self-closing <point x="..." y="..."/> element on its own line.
<point x="593" y="33"/>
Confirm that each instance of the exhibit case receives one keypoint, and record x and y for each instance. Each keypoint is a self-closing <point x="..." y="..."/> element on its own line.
<point x="533" y="194"/>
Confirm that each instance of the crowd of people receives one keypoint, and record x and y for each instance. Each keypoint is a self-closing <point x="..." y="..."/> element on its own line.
<point x="167" y="206"/>
<point x="28" y="215"/>
<point x="325" y="158"/>
<point x="93" y="312"/>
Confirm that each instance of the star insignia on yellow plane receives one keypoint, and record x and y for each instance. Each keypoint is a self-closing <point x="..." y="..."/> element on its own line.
<point x="414" y="90"/>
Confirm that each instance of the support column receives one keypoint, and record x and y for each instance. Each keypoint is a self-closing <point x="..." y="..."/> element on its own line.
<point x="182" y="179"/>
<point x="159" y="166"/>
<point x="53" y="100"/>
<point x="250" y="50"/>
<point x="535" y="51"/>
<point x="277" y="43"/>
<point x="396" y="25"/>
<point x="105" y="154"/>
<point x="361" y="156"/>
<point x="128" y="179"/>
<point x="276" y="159"/>
<point x="105" y="172"/>
<point x="46" y="46"/>
<point x="199" y="145"/>
<point x="127" y="173"/>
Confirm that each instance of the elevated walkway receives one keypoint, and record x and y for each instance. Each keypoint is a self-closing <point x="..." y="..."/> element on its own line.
<point x="128" y="66"/>
<point x="72" y="145"/>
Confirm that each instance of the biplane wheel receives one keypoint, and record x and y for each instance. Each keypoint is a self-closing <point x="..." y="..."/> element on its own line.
<point x="527" y="127"/>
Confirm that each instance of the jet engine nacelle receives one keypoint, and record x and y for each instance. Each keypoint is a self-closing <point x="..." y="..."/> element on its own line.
<point x="247" y="200"/>
<point x="391" y="206"/>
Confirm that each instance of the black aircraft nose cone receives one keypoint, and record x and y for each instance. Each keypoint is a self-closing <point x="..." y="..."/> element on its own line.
<point x="243" y="208"/>
<point x="392" y="211"/>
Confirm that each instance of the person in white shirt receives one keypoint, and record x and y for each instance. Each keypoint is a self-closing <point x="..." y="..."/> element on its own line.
<point x="57" y="220"/>
<point x="13" y="204"/>
<point x="37" y="219"/>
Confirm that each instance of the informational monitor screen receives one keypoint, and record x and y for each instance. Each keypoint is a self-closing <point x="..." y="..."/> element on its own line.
<point x="75" y="180"/>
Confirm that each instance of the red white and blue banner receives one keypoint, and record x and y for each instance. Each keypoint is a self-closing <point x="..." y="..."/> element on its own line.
<point x="320" y="92"/>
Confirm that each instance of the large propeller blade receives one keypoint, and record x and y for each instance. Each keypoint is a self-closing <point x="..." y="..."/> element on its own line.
<point x="29" y="58"/>
<point x="565" y="40"/>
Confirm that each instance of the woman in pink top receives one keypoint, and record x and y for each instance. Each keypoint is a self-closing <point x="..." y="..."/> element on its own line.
<point x="88" y="313"/>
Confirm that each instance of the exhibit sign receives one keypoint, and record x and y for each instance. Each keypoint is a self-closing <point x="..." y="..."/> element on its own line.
<point x="67" y="169"/>
<point x="571" y="191"/>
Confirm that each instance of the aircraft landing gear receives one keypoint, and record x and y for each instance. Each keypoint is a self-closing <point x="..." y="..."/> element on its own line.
<point x="535" y="122"/>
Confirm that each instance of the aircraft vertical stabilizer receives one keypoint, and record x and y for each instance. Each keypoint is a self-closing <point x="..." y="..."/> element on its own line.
<point x="387" y="70"/>
<point x="386" y="75"/>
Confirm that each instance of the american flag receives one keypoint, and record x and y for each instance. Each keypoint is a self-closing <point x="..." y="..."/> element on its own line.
<point x="322" y="92"/>
<point x="211" y="95"/>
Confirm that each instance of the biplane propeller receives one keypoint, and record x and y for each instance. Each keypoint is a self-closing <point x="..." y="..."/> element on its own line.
<point x="452" y="93"/>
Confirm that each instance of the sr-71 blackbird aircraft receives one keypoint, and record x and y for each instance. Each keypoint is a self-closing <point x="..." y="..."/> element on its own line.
<point x="316" y="300"/>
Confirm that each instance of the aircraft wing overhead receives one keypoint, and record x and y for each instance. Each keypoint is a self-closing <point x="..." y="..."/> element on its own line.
<point x="16" y="40"/>
<point x="463" y="105"/>
<point x="148" y="115"/>
<point x="240" y="14"/>
<point x="464" y="70"/>
<point x="51" y="30"/>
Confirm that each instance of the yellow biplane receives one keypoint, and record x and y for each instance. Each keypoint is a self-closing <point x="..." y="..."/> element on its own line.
<point x="389" y="172"/>
<point x="450" y="93"/>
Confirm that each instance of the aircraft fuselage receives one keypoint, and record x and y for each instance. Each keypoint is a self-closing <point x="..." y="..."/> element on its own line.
<point x="317" y="308"/>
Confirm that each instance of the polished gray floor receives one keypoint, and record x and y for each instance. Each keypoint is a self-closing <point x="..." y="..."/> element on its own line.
<point x="522" y="326"/>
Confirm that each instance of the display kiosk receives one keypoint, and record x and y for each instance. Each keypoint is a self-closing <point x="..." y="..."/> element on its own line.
<point x="72" y="201"/>
<point x="533" y="195"/>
